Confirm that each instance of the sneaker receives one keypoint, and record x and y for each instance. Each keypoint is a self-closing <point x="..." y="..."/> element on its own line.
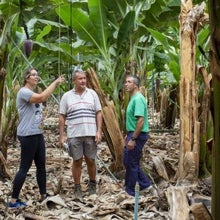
<point x="78" y="192"/>
<point x="92" y="188"/>
<point x="17" y="204"/>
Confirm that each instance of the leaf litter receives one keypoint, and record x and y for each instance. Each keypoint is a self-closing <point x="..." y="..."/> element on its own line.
<point x="160" y="161"/>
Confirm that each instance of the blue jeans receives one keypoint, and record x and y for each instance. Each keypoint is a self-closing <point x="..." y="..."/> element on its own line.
<point x="131" y="161"/>
<point x="32" y="149"/>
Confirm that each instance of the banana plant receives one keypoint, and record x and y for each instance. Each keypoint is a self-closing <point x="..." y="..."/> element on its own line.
<point x="102" y="34"/>
<point x="14" y="60"/>
<point x="117" y="37"/>
<point x="91" y="27"/>
<point x="7" y="20"/>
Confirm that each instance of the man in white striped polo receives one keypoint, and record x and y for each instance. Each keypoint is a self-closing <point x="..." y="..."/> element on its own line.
<point x="80" y="112"/>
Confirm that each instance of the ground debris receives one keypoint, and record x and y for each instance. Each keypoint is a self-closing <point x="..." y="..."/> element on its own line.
<point x="160" y="160"/>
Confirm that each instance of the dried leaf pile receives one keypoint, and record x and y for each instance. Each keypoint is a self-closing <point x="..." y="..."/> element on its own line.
<point x="160" y="161"/>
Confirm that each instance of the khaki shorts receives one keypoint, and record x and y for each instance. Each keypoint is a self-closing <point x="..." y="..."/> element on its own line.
<point x="82" y="146"/>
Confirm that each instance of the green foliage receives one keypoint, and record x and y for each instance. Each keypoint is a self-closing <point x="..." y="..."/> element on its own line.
<point x="203" y="45"/>
<point x="125" y="31"/>
<point x="105" y="35"/>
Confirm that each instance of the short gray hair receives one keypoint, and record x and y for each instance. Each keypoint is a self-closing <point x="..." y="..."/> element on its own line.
<point x="136" y="79"/>
<point x="77" y="71"/>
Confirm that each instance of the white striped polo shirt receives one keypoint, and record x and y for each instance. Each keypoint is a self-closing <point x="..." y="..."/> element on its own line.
<point x="80" y="112"/>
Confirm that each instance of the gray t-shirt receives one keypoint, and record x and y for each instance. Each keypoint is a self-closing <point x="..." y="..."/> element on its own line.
<point x="30" y="114"/>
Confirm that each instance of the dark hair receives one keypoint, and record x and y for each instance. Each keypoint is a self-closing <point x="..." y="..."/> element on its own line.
<point x="76" y="71"/>
<point x="27" y="75"/>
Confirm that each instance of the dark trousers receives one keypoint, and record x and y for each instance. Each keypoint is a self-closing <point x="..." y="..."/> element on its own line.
<point x="131" y="161"/>
<point x="32" y="149"/>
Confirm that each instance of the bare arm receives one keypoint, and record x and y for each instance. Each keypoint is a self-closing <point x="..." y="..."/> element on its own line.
<point x="139" y="125"/>
<point x="98" y="137"/>
<point x="62" y="119"/>
<point x="42" y="97"/>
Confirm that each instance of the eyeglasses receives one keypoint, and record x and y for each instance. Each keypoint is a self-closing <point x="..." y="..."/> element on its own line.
<point x="32" y="74"/>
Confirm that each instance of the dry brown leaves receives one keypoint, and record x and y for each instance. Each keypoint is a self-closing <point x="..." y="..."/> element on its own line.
<point x="160" y="160"/>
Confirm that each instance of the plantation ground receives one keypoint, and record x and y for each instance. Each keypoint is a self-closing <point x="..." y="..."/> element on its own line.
<point x="111" y="201"/>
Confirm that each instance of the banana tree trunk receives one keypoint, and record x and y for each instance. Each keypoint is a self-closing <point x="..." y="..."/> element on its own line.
<point x="2" y="83"/>
<point x="190" y="19"/>
<point x="168" y="107"/>
<point x="111" y="128"/>
<point x="206" y="126"/>
<point x="215" y="70"/>
<point x="4" y="172"/>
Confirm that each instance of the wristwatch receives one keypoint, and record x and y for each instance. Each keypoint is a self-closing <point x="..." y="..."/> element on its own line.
<point x="133" y="139"/>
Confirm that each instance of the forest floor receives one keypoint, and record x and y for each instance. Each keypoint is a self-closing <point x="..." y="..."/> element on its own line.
<point x="111" y="201"/>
